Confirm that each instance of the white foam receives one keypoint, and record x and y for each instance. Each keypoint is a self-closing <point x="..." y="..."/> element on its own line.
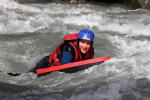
<point x="83" y="15"/>
<point x="130" y="46"/>
<point x="129" y="29"/>
<point x="11" y="4"/>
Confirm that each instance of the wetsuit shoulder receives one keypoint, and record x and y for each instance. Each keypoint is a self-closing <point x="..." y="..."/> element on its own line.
<point x="67" y="47"/>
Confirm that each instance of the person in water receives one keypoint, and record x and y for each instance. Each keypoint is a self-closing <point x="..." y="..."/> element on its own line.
<point x="75" y="47"/>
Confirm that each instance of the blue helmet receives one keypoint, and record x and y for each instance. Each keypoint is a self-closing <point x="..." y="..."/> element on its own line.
<point x="86" y="35"/>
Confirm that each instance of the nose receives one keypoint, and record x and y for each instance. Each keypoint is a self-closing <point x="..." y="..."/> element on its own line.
<point x="85" y="45"/>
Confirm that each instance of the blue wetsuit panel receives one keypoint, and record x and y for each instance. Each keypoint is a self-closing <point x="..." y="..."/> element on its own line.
<point x="67" y="57"/>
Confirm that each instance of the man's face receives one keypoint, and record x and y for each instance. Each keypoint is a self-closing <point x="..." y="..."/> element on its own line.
<point x="84" y="46"/>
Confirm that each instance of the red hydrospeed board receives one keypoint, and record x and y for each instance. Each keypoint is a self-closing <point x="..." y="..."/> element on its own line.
<point x="74" y="64"/>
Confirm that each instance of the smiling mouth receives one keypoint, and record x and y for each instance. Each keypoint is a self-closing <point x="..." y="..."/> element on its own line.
<point x="84" y="49"/>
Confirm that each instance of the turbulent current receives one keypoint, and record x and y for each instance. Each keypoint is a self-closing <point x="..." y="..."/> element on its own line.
<point x="29" y="32"/>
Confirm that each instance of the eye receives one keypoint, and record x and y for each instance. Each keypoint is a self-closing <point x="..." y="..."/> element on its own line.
<point x="88" y="42"/>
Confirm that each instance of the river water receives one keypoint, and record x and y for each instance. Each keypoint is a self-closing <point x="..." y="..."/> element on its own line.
<point x="29" y="32"/>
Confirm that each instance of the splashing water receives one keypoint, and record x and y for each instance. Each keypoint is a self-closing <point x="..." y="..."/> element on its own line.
<point x="29" y="32"/>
